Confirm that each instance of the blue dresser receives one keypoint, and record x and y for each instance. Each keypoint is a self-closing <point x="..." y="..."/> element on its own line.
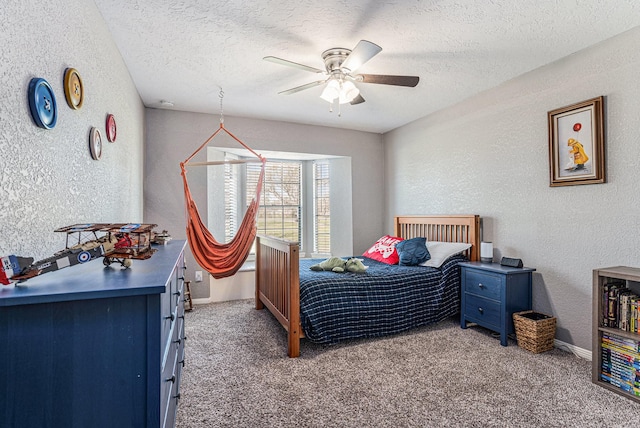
<point x="94" y="346"/>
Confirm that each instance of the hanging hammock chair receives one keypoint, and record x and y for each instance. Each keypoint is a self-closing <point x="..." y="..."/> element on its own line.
<point x="221" y="259"/>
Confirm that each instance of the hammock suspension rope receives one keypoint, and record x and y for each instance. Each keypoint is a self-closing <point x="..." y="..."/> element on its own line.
<point x="221" y="259"/>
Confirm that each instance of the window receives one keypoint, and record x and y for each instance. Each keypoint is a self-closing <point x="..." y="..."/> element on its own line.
<point x="280" y="212"/>
<point x="231" y="187"/>
<point x="282" y="208"/>
<point x="321" y="209"/>
<point x="301" y="194"/>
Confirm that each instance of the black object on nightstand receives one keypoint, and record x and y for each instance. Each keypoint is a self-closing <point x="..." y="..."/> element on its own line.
<point x="491" y="293"/>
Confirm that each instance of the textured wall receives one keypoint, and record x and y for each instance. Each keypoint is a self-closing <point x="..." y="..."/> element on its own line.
<point x="172" y="136"/>
<point x="489" y="156"/>
<point x="48" y="178"/>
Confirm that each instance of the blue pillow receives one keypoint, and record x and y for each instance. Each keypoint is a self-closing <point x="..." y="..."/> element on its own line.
<point x="413" y="251"/>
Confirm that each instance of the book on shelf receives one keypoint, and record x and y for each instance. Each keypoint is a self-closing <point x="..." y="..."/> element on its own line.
<point x="624" y="385"/>
<point x="630" y="380"/>
<point x="631" y="345"/>
<point x="631" y="313"/>
<point x="623" y="306"/>
<point x="620" y="307"/>
<point x="610" y="304"/>
<point x="613" y="306"/>
<point x="622" y="369"/>
<point x="619" y="358"/>
<point x="627" y="379"/>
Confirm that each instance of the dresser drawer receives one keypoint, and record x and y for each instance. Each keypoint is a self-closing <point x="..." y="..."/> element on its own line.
<point x="168" y="311"/>
<point x="168" y="388"/>
<point x="177" y="294"/>
<point x="181" y="355"/>
<point x="482" y="284"/>
<point x="482" y="311"/>
<point x="172" y="404"/>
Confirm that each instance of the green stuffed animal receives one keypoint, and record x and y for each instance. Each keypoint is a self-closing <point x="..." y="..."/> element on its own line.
<point x="336" y="264"/>
<point x="355" y="265"/>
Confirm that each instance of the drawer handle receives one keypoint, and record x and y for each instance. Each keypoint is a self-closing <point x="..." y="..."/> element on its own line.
<point x="481" y="310"/>
<point x="481" y="285"/>
<point x="182" y="362"/>
<point x="171" y="317"/>
<point x="177" y="396"/>
<point x="177" y="341"/>
<point x="181" y="317"/>
<point x="171" y="379"/>
<point x="177" y="293"/>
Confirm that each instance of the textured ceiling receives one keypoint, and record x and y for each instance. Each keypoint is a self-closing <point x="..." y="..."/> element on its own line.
<point x="184" y="51"/>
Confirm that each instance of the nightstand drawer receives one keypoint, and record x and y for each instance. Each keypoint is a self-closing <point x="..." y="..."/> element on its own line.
<point x="482" y="284"/>
<point x="482" y="311"/>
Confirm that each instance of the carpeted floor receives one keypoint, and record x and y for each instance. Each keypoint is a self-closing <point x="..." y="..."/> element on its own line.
<point x="237" y="374"/>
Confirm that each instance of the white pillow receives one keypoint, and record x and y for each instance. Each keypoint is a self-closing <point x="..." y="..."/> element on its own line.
<point x="441" y="251"/>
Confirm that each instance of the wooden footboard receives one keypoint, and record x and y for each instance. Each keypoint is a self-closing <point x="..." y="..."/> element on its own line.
<point x="278" y="285"/>
<point x="277" y="265"/>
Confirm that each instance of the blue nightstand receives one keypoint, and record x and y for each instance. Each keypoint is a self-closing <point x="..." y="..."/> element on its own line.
<point x="491" y="293"/>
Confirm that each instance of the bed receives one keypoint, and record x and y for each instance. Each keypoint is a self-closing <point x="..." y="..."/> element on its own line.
<point x="387" y="299"/>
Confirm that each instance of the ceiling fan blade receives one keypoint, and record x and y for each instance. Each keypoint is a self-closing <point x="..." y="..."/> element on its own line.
<point x="292" y="64"/>
<point x="386" y="79"/>
<point x="301" y="88"/>
<point x="357" y="100"/>
<point x="362" y="53"/>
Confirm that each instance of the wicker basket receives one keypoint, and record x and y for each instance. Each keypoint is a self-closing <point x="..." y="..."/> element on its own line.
<point x="535" y="331"/>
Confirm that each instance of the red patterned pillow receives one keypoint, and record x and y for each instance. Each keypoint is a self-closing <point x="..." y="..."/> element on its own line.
<point x="384" y="250"/>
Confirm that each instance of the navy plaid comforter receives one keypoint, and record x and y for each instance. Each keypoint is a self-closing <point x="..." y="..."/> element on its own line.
<point x="386" y="299"/>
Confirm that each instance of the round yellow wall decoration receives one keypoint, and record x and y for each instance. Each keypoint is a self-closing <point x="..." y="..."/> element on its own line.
<point x="73" y="88"/>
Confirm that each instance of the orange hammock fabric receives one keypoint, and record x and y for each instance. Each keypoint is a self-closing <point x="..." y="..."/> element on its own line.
<point x="219" y="259"/>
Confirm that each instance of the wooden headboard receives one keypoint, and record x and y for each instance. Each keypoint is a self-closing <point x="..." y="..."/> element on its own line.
<point x="452" y="228"/>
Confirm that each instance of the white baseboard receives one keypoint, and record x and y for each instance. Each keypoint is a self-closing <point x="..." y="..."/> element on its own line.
<point x="579" y="352"/>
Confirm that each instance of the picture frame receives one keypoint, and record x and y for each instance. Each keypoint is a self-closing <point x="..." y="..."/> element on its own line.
<point x="576" y="144"/>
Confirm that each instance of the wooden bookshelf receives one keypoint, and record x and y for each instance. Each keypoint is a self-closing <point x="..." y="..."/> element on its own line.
<point x="630" y="278"/>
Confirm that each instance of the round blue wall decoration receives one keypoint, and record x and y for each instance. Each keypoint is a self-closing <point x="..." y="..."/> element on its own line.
<point x="42" y="103"/>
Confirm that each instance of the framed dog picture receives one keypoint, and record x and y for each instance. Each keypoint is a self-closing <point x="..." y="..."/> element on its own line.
<point x="576" y="144"/>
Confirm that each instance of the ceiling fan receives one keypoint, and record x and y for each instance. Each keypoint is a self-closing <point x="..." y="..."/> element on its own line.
<point x="339" y="73"/>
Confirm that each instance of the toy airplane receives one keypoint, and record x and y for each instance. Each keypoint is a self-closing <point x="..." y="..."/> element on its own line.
<point x="115" y="242"/>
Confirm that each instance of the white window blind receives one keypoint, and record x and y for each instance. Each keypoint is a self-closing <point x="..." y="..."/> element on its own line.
<point x="295" y="203"/>
<point x="280" y="209"/>
<point x="322" y="208"/>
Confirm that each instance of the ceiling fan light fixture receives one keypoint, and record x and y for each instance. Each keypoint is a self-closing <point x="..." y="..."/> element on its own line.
<point x="348" y="92"/>
<point x="331" y="91"/>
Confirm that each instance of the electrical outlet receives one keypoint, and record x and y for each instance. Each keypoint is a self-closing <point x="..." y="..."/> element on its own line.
<point x="198" y="276"/>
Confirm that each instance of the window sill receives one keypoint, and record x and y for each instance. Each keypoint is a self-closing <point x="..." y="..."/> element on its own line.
<point x="248" y="266"/>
